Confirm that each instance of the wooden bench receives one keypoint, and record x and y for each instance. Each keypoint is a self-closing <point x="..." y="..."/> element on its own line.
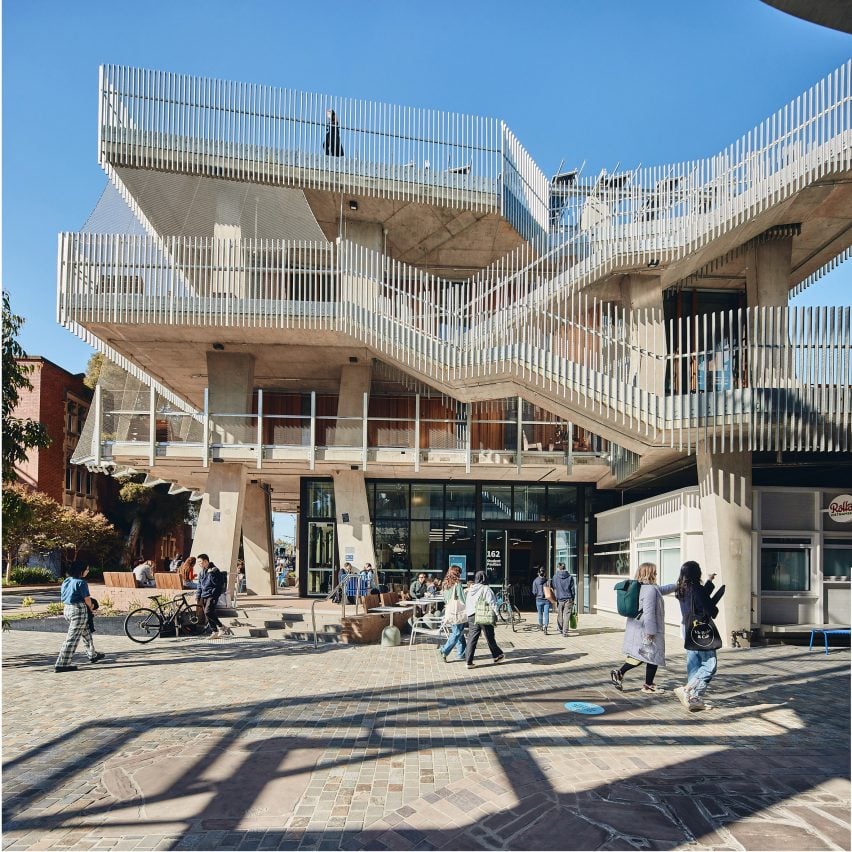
<point x="121" y="580"/>
<point x="168" y="580"/>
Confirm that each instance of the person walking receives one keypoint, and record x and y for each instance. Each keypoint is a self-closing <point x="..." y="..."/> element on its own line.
<point x="645" y="636"/>
<point x="565" y="588"/>
<point x="210" y="586"/>
<point x="542" y="604"/>
<point x="455" y="614"/>
<point x="696" y="599"/>
<point x="78" y="606"/>
<point x="480" y="592"/>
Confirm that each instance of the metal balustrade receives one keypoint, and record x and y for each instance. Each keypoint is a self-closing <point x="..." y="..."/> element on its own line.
<point x="526" y="319"/>
<point x="243" y="131"/>
<point x="772" y="378"/>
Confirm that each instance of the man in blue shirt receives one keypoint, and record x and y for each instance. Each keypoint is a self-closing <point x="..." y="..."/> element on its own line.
<point x="78" y="604"/>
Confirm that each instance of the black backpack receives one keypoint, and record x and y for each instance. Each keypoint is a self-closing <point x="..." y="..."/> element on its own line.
<point x="627" y="598"/>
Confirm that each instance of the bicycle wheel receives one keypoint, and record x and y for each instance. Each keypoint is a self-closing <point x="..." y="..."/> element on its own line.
<point x="143" y="625"/>
<point x="503" y="612"/>
<point x="517" y="618"/>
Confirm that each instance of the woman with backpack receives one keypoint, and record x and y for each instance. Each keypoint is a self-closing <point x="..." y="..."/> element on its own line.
<point x="481" y="610"/>
<point x="698" y="609"/>
<point x="645" y="635"/>
<point x="454" y="614"/>
<point x="542" y="602"/>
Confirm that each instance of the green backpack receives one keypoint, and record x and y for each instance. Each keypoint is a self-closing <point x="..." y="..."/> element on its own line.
<point x="483" y="613"/>
<point x="627" y="598"/>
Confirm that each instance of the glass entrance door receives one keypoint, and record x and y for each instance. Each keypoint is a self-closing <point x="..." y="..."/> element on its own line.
<point x="322" y="552"/>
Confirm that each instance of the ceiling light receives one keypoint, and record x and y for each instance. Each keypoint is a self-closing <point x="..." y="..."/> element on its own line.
<point x="353" y="204"/>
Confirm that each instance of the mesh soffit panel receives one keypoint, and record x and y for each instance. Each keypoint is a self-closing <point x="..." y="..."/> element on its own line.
<point x="191" y="205"/>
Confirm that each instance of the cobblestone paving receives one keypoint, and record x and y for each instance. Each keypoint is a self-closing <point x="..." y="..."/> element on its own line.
<point x="252" y="744"/>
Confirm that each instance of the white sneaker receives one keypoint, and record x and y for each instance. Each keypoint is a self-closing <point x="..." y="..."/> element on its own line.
<point x="696" y="704"/>
<point x="680" y="693"/>
<point x="214" y="635"/>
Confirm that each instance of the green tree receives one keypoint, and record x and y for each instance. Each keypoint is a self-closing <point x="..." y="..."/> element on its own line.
<point x="19" y="434"/>
<point x="93" y="369"/>
<point x="26" y="515"/>
<point x="84" y="535"/>
<point x="153" y="510"/>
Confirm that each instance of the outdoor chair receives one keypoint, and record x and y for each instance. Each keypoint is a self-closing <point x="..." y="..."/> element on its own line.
<point x="429" y="624"/>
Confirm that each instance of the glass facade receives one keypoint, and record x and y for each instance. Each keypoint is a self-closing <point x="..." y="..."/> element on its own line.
<point x="785" y="564"/>
<point x="505" y="530"/>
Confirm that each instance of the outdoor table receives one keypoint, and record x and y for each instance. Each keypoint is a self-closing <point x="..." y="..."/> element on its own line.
<point x="390" y="610"/>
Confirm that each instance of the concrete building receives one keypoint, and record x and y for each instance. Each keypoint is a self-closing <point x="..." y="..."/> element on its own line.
<point x="394" y="323"/>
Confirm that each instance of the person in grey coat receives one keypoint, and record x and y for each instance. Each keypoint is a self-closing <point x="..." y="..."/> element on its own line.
<point x="645" y="636"/>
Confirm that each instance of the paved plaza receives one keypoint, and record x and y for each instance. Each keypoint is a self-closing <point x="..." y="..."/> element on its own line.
<point x="258" y="744"/>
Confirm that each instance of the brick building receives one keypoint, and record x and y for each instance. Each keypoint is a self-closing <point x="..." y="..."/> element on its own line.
<point x="60" y="400"/>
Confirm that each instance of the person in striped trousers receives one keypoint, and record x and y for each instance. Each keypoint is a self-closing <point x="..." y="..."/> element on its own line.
<point x="78" y="604"/>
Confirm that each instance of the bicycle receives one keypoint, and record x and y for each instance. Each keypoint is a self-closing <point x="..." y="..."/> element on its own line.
<point x="507" y="612"/>
<point x="145" y="624"/>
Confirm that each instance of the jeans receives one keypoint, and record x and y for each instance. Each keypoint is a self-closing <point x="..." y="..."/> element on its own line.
<point x="700" y="668"/>
<point x="473" y="638"/>
<point x="563" y="613"/>
<point x="456" y="638"/>
<point x="543" y="607"/>
<point x="210" y="605"/>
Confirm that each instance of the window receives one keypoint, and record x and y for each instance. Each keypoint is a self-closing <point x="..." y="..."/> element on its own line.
<point x="611" y="557"/>
<point x="837" y="558"/>
<point x="461" y="502"/>
<point x="496" y="502"/>
<point x="529" y="503"/>
<point x="785" y="565"/>
<point x="391" y="500"/>
<point x="664" y="553"/>
<point x="320" y="499"/>
<point x="562" y="502"/>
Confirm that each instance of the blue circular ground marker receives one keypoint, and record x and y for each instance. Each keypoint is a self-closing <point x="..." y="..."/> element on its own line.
<point x="584" y="707"/>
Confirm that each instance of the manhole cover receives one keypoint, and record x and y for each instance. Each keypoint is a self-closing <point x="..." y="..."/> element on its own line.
<point x="584" y="708"/>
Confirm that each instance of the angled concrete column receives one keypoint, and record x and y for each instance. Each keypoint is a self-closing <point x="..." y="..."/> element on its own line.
<point x="230" y="380"/>
<point x="768" y="272"/>
<point x="354" y="383"/>
<point x="229" y="277"/>
<point x="257" y="541"/>
<point x="724" y="482"/>
<point x="354" y="533"/>
<point x="642" y="296"/>
<point x="220" y="518"/>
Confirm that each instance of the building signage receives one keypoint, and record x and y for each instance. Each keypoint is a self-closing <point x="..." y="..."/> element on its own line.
<point x="840" y="509"/>
<point x="460" y="562"/>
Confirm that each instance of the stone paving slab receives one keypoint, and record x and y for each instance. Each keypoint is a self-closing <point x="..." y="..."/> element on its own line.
<point x="254" y="744"/>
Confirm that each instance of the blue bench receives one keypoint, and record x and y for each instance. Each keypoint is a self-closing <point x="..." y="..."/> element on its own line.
<point x="826" y="632"/>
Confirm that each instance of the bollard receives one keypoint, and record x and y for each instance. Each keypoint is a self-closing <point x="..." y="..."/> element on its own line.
<point x="390" y="637"/>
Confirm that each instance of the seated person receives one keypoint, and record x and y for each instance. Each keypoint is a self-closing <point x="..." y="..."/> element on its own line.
<point x="432" y="586"/>
<point x="186" y="572"/>
<point x="418" y="588"/>
<point x="144" y="573"/>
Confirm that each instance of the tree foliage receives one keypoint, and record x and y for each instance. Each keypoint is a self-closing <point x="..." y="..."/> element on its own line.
<point x="19" y="434"/>
<point x="30" y="517"/>
<point x="152" y="510"/>
<point x="93" y="369"/>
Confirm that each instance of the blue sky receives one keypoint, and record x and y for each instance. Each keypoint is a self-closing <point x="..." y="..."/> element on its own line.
<point x="614" y="81"/>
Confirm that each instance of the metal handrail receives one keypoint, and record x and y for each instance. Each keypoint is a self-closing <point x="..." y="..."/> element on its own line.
<point x="342" y="587"/>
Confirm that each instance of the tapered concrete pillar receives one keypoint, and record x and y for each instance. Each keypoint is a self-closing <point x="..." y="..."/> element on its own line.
<point x="642" y="296"/>
<point x="229" y="276"/>
<point x="725" y="489"/>
<point x="230" y="382"/>
<point x="220" y="518"/>
<point x="257" y="541"/>
<point x="354" y="383"/>
<point x="354" y="533"/>
<point x="768" y="271"/>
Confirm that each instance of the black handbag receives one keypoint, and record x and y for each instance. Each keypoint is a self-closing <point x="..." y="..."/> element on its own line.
<point x="701" y="633"/>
